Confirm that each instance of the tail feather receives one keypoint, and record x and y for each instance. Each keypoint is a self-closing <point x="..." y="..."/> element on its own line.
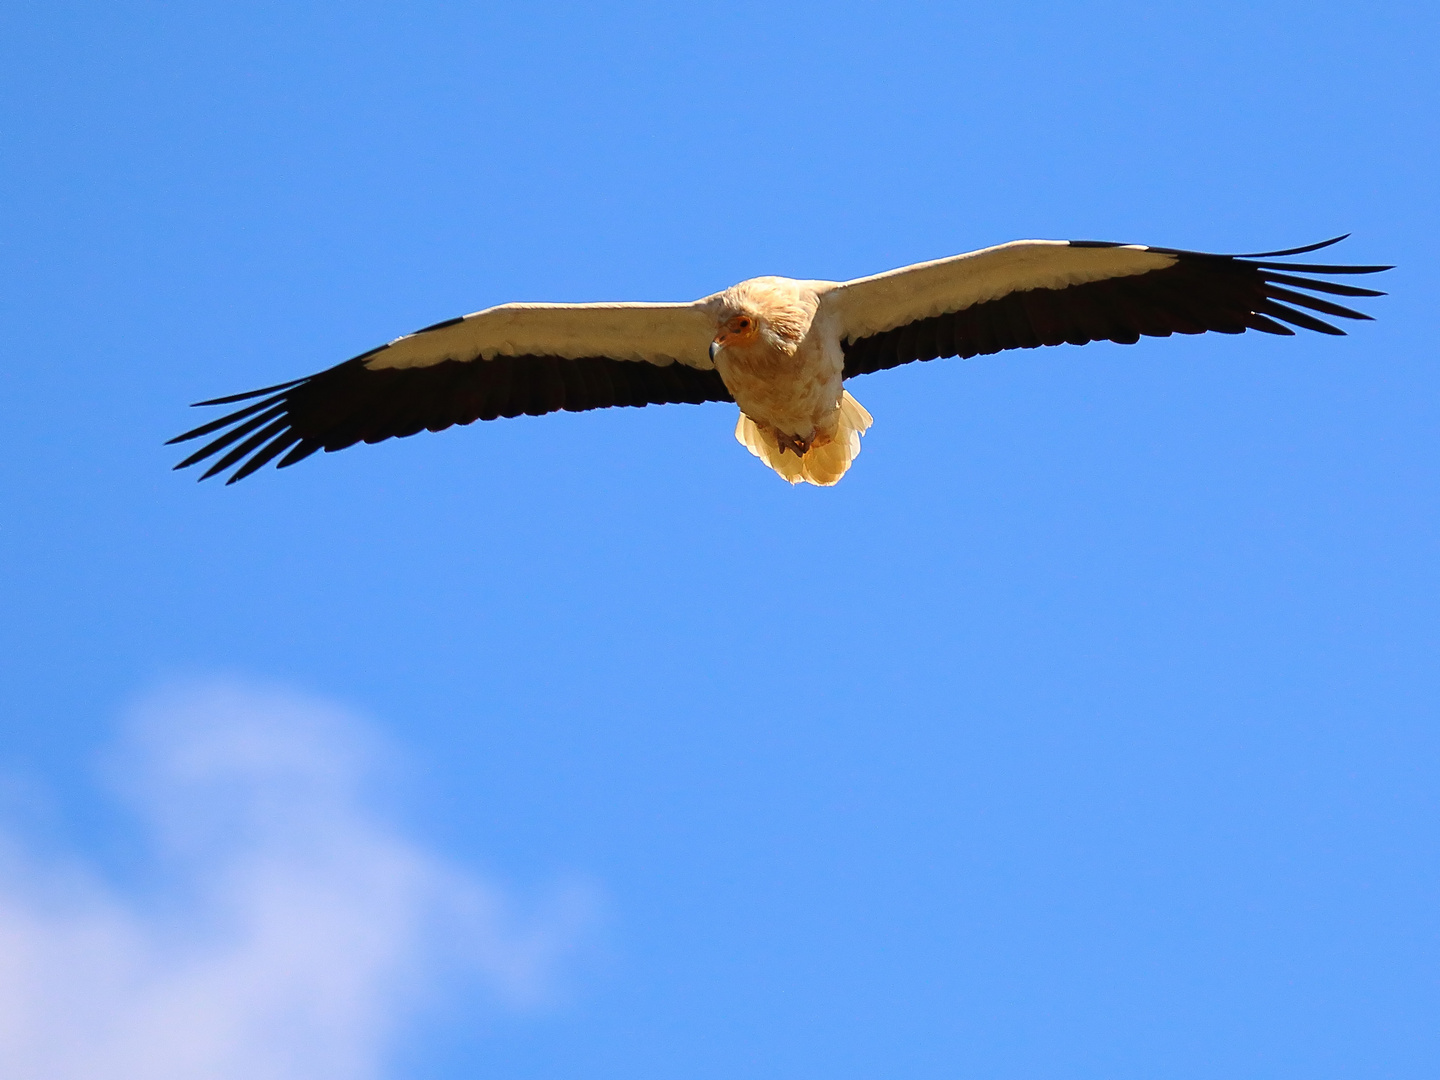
<point x="821" y="465"/>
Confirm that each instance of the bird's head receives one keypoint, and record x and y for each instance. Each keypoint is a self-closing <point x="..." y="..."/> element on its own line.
<point x="738" y="330"/>
<point x="768" y="314"/>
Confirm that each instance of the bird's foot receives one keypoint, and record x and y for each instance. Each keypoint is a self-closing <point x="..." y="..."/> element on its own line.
<point x="793" y="443"/>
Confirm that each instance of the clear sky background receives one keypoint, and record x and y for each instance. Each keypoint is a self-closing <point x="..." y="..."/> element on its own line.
<point x="1088" y="729"/>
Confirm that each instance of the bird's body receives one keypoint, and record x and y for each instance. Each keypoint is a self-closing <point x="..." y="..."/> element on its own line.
<point x="787" y="375"/>
<point x="779" y="348"/>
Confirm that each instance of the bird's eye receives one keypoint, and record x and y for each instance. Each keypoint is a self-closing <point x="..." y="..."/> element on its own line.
<point x="742" y="324"/>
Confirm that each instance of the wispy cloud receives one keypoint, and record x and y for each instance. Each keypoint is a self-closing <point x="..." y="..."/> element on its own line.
<point x="288" y="929"/>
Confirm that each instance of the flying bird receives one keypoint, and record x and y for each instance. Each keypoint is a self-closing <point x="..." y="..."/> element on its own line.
<point x="780" y="348"/>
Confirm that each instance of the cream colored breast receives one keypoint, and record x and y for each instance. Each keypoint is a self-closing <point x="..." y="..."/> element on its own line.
<point x="796" y="393"/>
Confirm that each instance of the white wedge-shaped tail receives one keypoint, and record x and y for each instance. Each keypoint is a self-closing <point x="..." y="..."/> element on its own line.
<point x="822" y="465"/>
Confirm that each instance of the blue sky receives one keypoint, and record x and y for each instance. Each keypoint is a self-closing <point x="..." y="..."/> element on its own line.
<point x="1087" y="729"/>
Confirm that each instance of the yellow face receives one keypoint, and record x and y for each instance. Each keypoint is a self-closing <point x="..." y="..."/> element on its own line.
<point x="736" y="330"/>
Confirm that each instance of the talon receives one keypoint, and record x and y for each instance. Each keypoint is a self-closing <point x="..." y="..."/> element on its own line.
<point x="793" y="443"/>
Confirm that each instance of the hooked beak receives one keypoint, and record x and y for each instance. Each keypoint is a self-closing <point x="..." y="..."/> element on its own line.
<point x="714" y="348"/>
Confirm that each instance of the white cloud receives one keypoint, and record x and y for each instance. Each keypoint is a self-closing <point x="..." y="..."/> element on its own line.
<point x="286" y="931"/>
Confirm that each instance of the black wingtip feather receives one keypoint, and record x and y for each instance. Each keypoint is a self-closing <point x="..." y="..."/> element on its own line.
<point x="1314" y="303"/>
<point x="228" y="418"/>
<point x="1322" y="268"/>
<point x="1268" y="326"/>
<point x="277" y="445"/>
<point x="1335" y="288"/>
<point x="1298" y="318"/>
<point x="230" y="436"/>
<point x="1293" y="251"/>
<point x="249" y="446"/>
<point x="299" y="453"/>
<point x="231" y="399"/>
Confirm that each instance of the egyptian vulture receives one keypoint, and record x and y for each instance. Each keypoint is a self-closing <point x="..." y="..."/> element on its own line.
<point x="779" y="348"/>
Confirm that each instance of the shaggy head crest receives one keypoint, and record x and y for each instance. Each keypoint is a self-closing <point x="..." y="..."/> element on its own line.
<point x="783" y="308"/>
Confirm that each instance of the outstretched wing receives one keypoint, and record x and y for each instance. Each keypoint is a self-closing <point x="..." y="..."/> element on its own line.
<point x="1048" y="292"/>
<point x="504" y="361"/>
